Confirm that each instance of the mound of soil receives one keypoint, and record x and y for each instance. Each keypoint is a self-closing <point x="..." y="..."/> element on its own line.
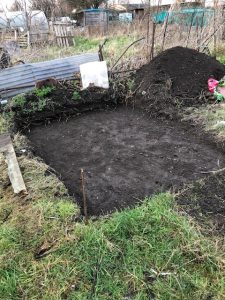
<point x="205" y="200"/>
<point x="125" y="156"/>
<point x="177" y="77"/>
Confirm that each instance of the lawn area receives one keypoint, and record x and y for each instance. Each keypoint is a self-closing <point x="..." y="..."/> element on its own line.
<point x="149" y="250"/>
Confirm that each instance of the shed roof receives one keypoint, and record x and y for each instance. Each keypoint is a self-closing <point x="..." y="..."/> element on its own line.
<point x="95" y="10"/>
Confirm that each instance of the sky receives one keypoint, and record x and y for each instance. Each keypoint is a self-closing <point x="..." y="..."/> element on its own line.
<point x="7" y="3"/>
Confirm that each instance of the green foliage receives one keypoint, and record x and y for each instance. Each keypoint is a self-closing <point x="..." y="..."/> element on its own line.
<point x="43" y="92"/>
<point x="40" y="105"/>
<point x="63" y="210"/>
<point x="76" y="96"/>
<point x="19" y="100"/>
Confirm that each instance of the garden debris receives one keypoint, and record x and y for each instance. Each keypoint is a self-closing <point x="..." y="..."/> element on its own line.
<point x="14" y="172"/>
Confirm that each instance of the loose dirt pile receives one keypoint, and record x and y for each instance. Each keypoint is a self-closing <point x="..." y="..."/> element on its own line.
<point x="177" y="77"/>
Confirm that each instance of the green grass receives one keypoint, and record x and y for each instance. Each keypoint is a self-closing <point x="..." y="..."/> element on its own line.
<point x="43" y="92"/>
<point x="112" y="258"/>
<point x="85" y="44"/>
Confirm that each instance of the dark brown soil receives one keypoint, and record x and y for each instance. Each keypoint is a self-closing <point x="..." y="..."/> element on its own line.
<point x="176" y="78"/>
<point x="60" y="104"/>
<point x="125" y="156"/>
<point x="205" y="200"/>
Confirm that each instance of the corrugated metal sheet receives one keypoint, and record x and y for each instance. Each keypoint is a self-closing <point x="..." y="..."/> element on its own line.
<point x="13" y="80"/>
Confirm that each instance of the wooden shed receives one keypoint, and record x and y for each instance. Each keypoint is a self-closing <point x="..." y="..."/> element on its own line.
<point x="97" y="21"/>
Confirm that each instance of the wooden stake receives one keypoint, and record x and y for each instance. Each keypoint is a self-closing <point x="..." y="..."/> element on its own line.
<point x="84" y="196"/>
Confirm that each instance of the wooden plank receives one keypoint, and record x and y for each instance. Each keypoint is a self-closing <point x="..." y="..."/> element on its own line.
<point x="14" y="172"/>
<point x="66" y="38"/>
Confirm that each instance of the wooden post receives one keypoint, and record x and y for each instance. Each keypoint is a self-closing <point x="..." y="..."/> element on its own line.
<point x="28" y="39"/>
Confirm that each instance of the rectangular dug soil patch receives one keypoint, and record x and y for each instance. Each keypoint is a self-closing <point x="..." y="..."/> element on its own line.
<point x="125" y="156"/>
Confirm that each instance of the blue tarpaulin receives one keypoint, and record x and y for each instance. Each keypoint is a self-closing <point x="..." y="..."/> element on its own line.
<point x="189" y="16"/>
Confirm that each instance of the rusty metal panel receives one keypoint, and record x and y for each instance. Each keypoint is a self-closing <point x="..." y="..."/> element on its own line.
<point x="22" y="78"/>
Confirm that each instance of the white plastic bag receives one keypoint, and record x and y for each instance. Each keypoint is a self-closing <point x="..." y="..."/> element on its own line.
<point x="94" y="74"/>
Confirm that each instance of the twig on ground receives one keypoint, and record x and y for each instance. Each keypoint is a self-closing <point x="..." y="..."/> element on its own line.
<point x="126" y="51"/>
<point x="214" y="172"/>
